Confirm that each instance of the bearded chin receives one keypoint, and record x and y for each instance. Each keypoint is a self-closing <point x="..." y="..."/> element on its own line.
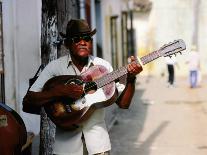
<point x="85" y="59"/>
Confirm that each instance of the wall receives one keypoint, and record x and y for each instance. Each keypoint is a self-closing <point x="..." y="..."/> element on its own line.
<point x="8" y="44"/>
<point x="168" y="21"/>
<point x="111" y="8"/>
<point x="21" y="27"/>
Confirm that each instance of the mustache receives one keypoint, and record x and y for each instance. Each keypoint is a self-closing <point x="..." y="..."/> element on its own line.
<point x="83" y="47"/>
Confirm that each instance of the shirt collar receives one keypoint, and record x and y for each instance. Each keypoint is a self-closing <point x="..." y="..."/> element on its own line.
<point x="90" y="61"/>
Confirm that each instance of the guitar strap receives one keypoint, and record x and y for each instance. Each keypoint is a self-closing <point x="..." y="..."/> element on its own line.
<point x="33" y="79"/>
<point x="34" y="110"/>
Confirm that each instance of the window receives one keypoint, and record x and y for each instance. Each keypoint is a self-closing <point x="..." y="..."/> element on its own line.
<point x="114" y="42"/>
<point x="124" y="37"/>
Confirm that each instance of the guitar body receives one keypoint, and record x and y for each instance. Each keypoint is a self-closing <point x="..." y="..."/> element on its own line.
<point x="68" y="113"/>
<point x="13" y="134"/>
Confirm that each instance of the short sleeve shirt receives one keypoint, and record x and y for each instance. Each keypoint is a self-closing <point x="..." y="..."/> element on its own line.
<point x="193" y="60"/>
<point x="94" y="129"/>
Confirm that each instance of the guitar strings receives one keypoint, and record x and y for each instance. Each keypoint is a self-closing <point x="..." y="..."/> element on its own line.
<point x="104" y="81"/>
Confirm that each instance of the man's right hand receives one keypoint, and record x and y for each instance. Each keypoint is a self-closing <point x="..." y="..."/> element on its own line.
<point x="70" y="90"/>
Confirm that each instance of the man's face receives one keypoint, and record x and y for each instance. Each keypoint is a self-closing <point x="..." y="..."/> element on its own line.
<point x="81" y="46"/>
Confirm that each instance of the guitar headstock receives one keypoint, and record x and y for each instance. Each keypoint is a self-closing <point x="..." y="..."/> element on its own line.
<point x="172" y="48"/>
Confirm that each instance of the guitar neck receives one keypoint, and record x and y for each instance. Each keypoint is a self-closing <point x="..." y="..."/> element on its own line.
<point x="150" y="57"/>
<point x="113" y="76"/>
<point x="110" y="77"/>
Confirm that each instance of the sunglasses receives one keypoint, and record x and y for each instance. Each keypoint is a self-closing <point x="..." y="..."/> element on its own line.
<point x="79" y="38"/>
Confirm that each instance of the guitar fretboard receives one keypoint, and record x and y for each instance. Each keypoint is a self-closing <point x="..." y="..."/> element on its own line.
<point x="110" y="77"/>
<point x="150" y="57"/>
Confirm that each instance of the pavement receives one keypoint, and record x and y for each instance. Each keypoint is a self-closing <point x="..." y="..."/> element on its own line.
<point x="162" y="120"/>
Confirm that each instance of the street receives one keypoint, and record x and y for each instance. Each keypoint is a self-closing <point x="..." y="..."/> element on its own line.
<point x="162" y="120"/>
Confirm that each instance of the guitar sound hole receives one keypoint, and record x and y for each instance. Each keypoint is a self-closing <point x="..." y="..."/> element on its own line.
<point x="75" y="81"/>
<point x="90" y="87"/>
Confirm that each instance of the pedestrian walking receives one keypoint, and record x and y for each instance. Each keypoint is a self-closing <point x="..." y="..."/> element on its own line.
<point x="194" y="67"/>
<point x="171" y="62"/>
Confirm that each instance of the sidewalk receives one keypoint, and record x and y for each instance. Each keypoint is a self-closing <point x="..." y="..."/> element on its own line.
<point x="156" y="89"/>
<point x="162" y="120"/>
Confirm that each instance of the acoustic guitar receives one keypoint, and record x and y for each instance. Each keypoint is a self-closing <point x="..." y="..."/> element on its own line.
<point x="99" y="88"/>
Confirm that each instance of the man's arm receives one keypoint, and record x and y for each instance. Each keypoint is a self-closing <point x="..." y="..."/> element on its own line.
<point x="125" y="97"/>
<point x="38" y="99"/>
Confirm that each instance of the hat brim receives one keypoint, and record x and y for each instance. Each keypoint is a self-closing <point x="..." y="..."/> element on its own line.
<point x="63" y="35"/>
<point x="93" y="32"/>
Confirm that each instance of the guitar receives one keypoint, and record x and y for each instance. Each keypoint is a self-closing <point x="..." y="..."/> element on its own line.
<point x="99" y="88"/>
<point x="12" y="131"/>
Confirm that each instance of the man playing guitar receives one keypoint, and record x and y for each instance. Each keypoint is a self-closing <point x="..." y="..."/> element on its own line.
<point x="78" y="39"/>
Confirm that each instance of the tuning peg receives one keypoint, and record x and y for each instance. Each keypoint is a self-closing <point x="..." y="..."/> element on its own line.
<point x="170" y="56"/>
<point x="175" y="54"/>
<point x="180" y="53"/>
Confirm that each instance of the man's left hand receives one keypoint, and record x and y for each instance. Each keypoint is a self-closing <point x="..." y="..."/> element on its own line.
<point x="133" y="69"/>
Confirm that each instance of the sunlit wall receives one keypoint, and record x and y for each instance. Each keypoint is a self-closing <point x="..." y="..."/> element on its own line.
<point x="166" y="22"/>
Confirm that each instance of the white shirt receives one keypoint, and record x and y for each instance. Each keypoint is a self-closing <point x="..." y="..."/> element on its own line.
<point x="194" y="60"/>
<point x="94" y="129"/>
<point x="170" y="61"/>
